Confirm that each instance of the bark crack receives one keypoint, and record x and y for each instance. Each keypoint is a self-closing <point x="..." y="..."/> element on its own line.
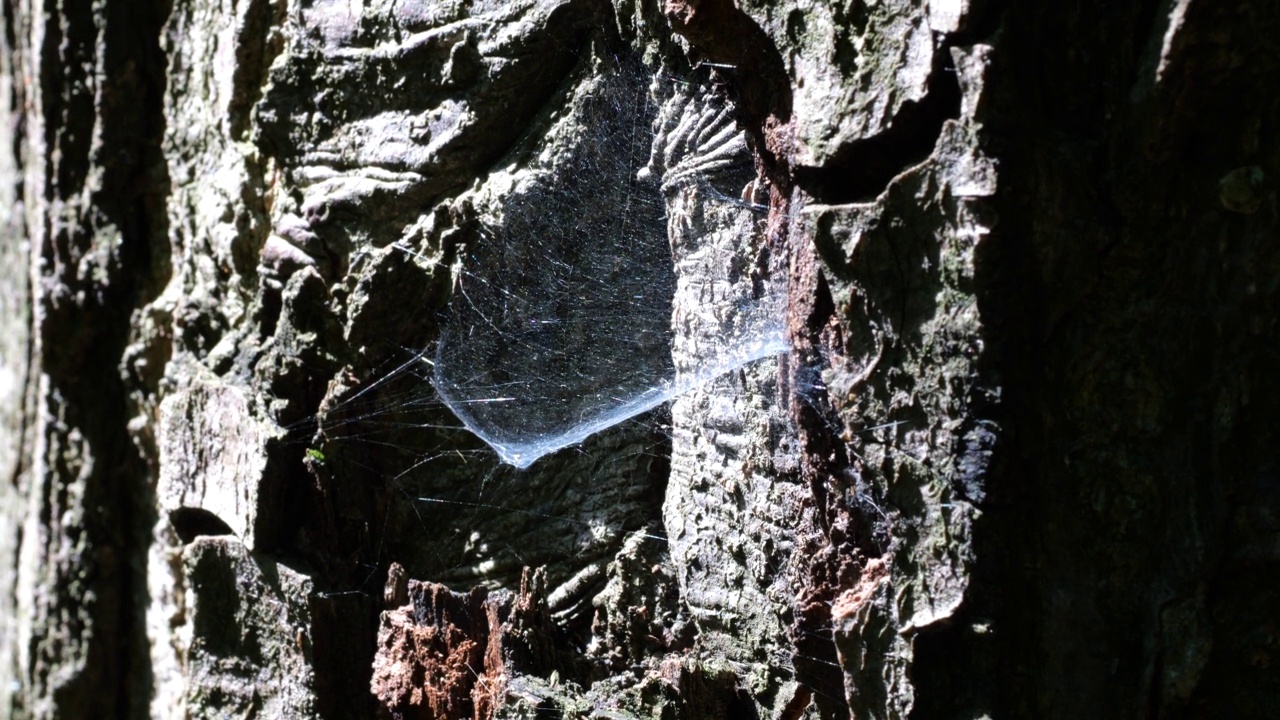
<point x="862" y="170"/>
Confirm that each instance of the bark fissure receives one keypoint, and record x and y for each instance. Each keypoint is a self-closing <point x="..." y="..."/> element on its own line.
<point x="861" y="170"/>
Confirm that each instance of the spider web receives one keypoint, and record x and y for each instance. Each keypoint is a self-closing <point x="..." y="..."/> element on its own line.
<point x="561" y="323"/>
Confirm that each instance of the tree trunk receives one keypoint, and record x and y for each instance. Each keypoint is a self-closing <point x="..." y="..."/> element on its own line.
<point x="1013" y="461"/>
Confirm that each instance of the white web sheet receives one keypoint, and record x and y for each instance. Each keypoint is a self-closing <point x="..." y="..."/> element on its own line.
<point x="562" y="319"/>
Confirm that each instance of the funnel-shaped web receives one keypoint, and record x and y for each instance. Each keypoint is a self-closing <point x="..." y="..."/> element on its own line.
<point x="561" y="321"/>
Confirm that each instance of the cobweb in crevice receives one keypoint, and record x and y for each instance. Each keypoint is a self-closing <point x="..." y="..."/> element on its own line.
<point x="561" y="323"/>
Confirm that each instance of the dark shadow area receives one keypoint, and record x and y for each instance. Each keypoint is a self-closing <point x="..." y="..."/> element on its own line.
<point x="863" y="169"/>
<point x="191" y="523"/>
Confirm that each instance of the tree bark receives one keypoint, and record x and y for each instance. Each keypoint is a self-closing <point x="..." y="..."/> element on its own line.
<point x="1019" y="459"/>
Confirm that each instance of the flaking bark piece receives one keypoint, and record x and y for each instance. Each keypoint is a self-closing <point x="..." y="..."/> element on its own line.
<point x="431" y="653"/>
<point x="450" y="655"/>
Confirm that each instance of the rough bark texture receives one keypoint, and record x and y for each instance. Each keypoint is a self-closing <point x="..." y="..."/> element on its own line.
<point x="1020" y="461"/>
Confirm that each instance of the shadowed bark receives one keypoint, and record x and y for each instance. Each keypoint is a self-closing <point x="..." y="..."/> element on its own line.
<point x="1018" y="460"/>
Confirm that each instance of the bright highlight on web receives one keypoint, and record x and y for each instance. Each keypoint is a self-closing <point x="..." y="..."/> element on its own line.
<point x="562" y="322"/>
